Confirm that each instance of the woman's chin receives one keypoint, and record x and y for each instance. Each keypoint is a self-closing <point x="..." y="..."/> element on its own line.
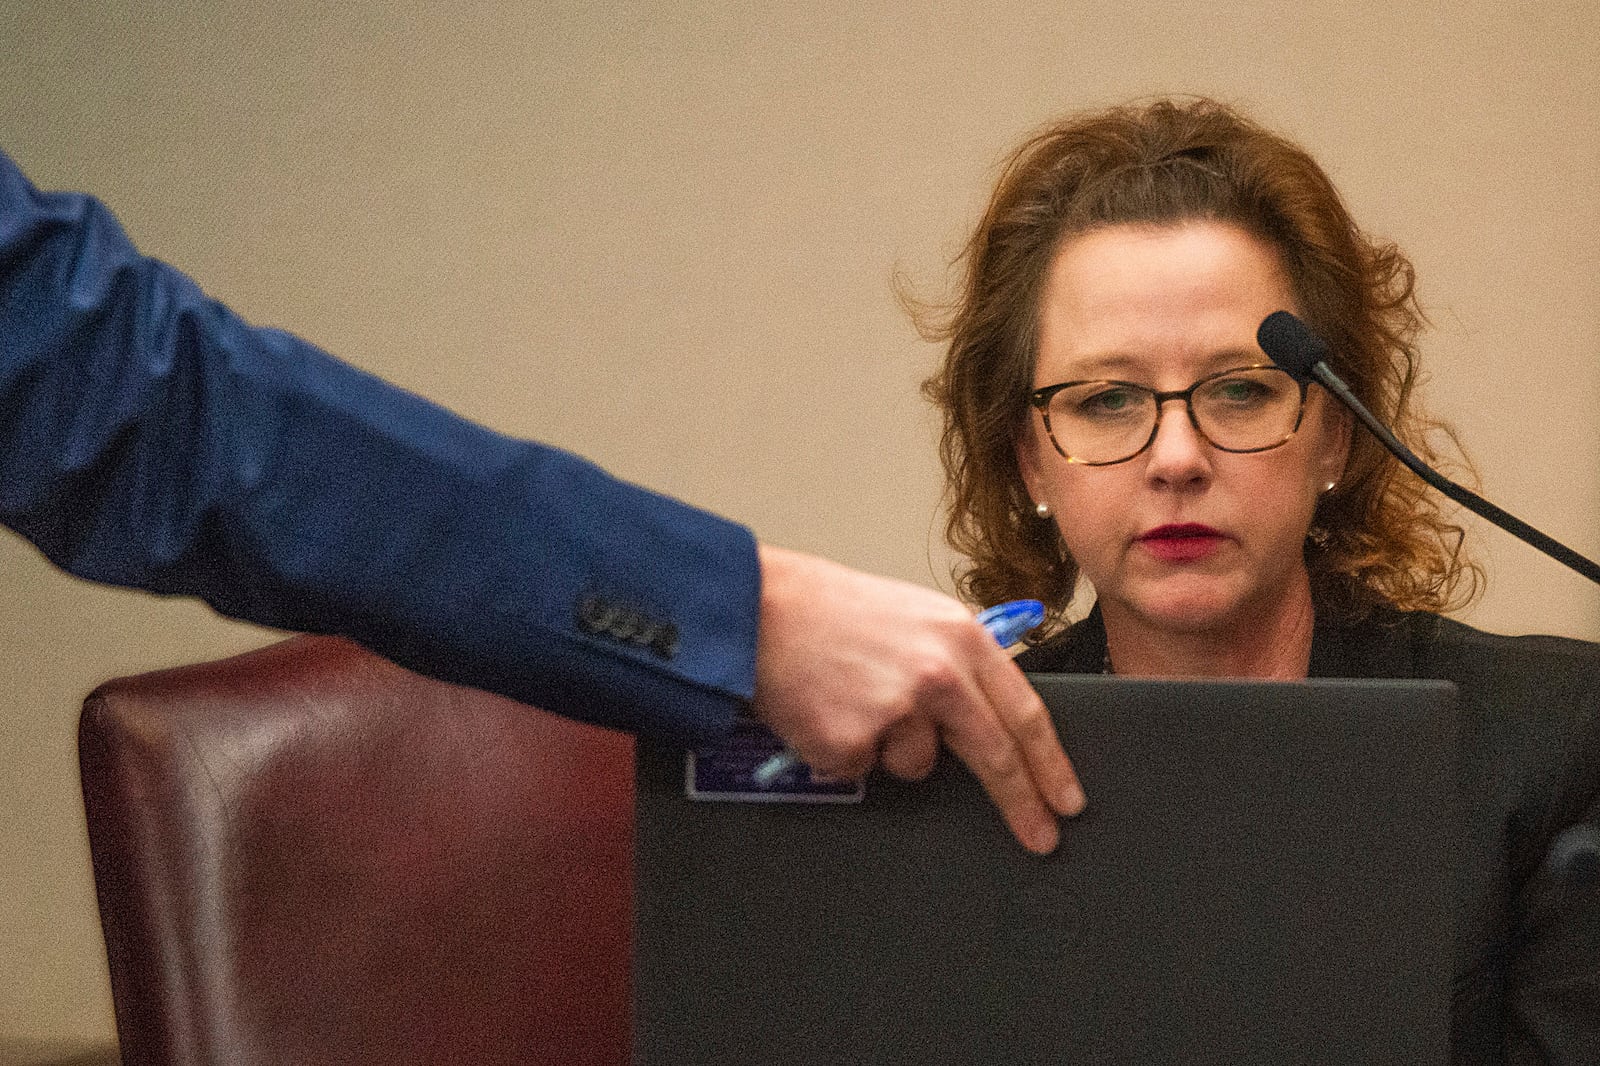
<point x="1188" y="608"/>
<point x="1214" y="605"/>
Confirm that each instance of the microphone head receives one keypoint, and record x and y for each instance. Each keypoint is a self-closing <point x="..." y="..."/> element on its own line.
<point x="1290" y="343"/>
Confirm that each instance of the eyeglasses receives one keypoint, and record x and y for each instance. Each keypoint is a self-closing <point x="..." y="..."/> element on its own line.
<point x="1097" y="423"/>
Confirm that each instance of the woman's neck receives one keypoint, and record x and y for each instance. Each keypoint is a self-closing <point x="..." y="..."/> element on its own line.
<point x="1273" y="643"/>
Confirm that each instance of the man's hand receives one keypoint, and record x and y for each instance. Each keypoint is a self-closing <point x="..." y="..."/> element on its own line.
<point x="851" y="668"/>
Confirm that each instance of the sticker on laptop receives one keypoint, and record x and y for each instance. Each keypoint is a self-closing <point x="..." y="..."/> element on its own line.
<point x="753" y="765"/>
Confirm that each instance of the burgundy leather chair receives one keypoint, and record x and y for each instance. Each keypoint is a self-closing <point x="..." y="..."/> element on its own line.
<point x="306" y="854"/>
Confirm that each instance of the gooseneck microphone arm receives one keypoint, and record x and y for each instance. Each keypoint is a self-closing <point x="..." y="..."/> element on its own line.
<point x="1574" y="855"/>
<point x="1293" y="346"/>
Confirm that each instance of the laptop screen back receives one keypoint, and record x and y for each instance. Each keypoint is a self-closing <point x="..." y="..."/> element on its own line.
<point x="1263" y="875"/>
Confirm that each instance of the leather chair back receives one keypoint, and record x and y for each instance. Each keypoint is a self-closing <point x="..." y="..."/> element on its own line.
<point x="306" y="854"/>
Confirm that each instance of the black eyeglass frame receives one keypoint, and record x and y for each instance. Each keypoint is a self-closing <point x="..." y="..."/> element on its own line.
<point x="1040" y="399"/>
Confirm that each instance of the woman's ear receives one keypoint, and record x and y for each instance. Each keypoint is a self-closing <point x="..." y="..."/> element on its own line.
<point x="1027" y="451"/>
<point x="1337" y="425"/>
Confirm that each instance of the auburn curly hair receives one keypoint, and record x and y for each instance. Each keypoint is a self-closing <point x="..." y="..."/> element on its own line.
<point x="1378" y="538"/>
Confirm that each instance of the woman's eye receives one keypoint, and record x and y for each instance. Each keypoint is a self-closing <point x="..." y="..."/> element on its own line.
<point x="1239" y="391"/>
<point x="1108" y="402"/>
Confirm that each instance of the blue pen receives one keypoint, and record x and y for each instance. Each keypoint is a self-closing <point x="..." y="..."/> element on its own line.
<point x="1007" y="623"/>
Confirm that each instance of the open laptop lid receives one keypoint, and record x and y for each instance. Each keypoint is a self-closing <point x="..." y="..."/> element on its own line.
<point x="1264" y="875"/>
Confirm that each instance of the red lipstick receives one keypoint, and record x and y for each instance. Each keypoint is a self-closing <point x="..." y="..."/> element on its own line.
<point x="1181" y="542"/>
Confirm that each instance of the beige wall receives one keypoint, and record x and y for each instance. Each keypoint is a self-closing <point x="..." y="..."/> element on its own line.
<point x="662" y="234"/>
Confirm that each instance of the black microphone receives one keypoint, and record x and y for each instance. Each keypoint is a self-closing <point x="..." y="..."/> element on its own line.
<point x="1293" y="346"/>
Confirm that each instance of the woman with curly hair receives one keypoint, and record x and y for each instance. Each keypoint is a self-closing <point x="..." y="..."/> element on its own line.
<point x="1110" y="421"/>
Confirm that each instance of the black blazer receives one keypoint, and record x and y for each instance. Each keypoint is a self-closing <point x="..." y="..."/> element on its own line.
<point x="1527" y="947"/>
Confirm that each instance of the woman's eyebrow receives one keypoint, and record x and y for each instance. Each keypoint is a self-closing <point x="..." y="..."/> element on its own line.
<point x="1127" y="367"/>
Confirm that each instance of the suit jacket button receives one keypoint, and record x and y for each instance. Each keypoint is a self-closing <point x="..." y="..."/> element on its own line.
<point x="594" y="614"/>
<point x="664" y="641"/>
<point x="626" y="625"/>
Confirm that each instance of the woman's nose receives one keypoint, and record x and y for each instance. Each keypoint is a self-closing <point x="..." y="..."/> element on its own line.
<point x="1179" y="455"/>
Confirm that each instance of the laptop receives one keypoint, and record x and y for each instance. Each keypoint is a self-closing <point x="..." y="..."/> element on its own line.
<point x="1263" y="875"/>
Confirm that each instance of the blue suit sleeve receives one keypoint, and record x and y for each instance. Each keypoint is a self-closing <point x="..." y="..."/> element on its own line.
<point x="151" y="438"/>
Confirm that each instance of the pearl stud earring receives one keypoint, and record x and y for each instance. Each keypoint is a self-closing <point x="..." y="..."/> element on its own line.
<point x="1042" y="510"/>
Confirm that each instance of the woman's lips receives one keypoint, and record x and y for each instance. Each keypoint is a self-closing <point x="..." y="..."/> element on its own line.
<point x="1181" y="543"/>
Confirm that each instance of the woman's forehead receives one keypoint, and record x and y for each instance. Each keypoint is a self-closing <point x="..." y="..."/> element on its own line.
<point x="1139" y="300"/>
